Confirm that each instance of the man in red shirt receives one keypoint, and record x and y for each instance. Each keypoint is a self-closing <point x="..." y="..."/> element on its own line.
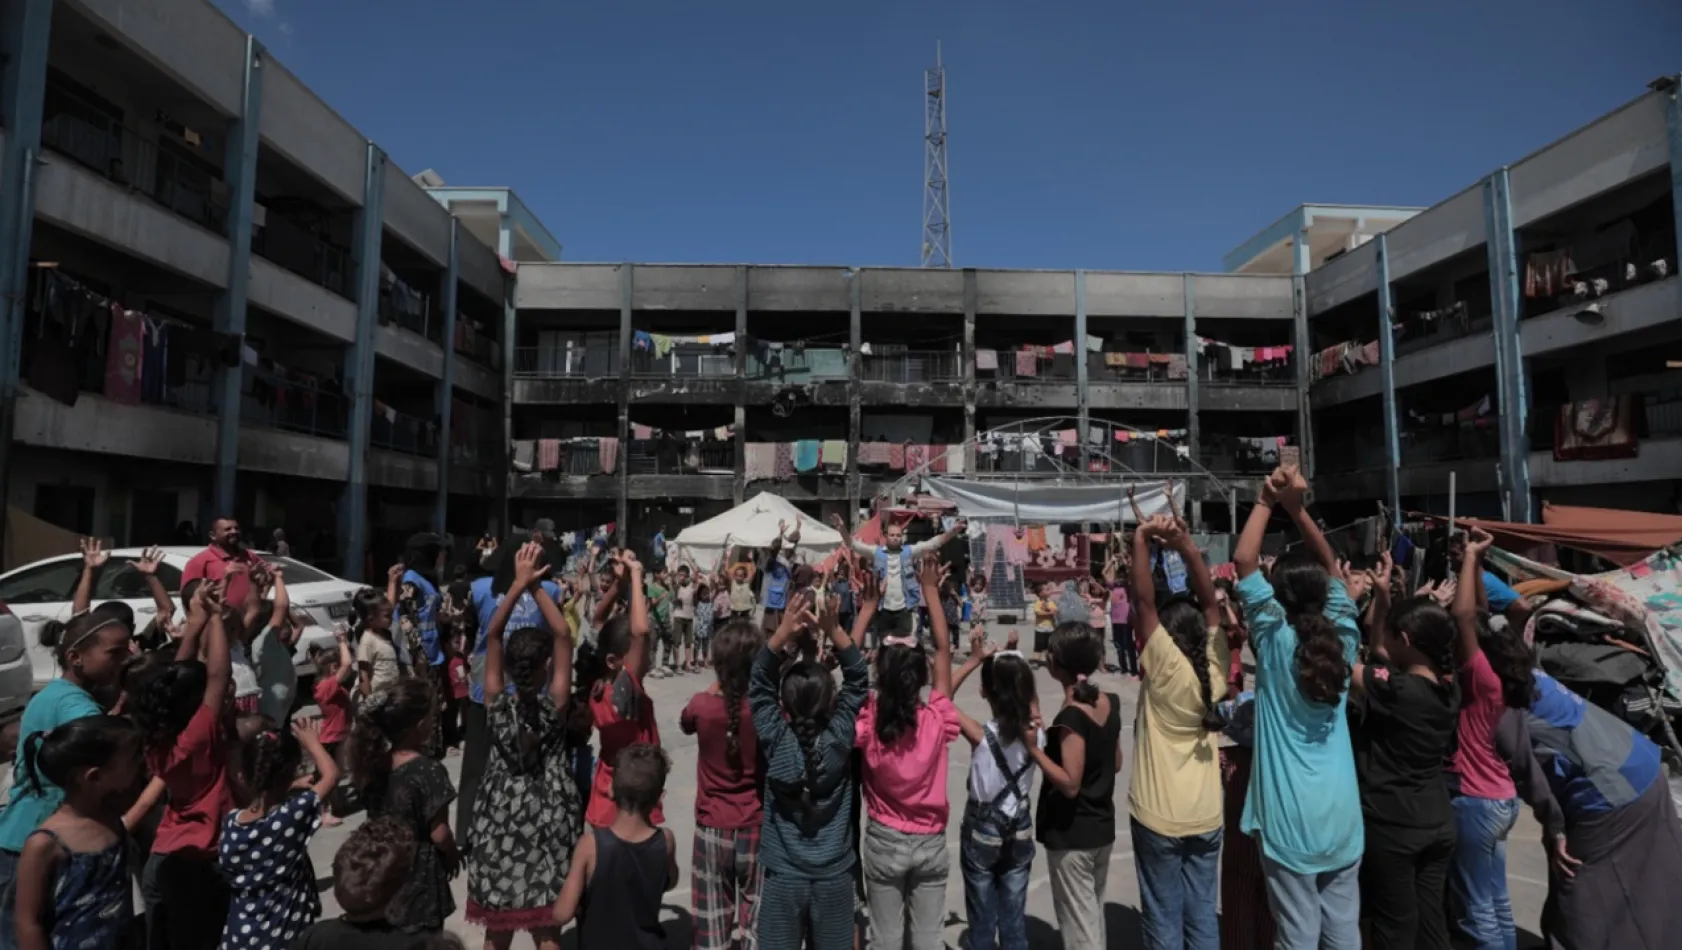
<point x="212" y="563"/>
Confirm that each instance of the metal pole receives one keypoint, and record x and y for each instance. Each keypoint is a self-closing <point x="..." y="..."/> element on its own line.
<point x="1232" y="509"/>
<point x="1451" y="500"/>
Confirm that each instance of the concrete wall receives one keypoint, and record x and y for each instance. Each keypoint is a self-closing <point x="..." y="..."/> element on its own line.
<point x="279" y="290"/>
<point x="96" y="424"/>
<point x="477" y="266"/>
<point x="76" y="199"/>
<point x="191" y="40"/>
<point x="297" y="124"/>
<point x="411" y="214"/>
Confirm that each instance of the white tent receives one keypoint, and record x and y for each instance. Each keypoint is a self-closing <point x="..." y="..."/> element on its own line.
<point x="753" y="524"/>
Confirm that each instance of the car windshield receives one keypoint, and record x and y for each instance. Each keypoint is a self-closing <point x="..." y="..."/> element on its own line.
<point x="297" y="572"/>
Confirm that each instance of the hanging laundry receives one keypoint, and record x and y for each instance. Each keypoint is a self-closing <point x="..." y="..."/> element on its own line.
<point x="607" y="449"/>
<point x="916" y="457"/>
<point x="1370" y="354"/>
<point x="642" y="341"/>
<point x="1094" y="344"/>
<point x="937" y="459"/>
<point x="956" y="464"/>
<point x="807" y="453"/>
<point x="548" y="455"/>
<point x="1177" y="366"/>
<point x="722" y="433"/>
<point x="1065" y="348"/>
<point x="1095" y="435"/>
<point x="1035" y="539"/>
<point x="834" y="452"/>
<point x="1115" y="359"/>
<point x="1068" y="437"/>
<point x="122" y="367"/>
<point x="761" y="462"/>
<point x="873" y="453"/>
<point x="896" y="456"/>
<point x="785" y="461"/>
<point x="1122" y="435"/>
<point x="987" y="360"/>
<point x="1027" y="364"/>
<point x="662" y="345"/>
<point x="525" y="452"/>
<point x="641" y="432"/>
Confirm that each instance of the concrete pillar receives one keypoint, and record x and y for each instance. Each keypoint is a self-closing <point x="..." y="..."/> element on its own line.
<point x="1511" y="374"/>
<point x="447" y="385"/>
<point x="627" y="285"/>
<point x="1387" y="373"/>
<point x="1303" y="341"/>
<point x="855" y="426"/>
<point x="1194" y="432"/>
<point x="969" y="369"/>
<point x="25" y="26"/>
<point x="1080" y="370"/>
<point x="739" y="480"/>
<point x="368" y="230"/>
<point x="230" y="312"/>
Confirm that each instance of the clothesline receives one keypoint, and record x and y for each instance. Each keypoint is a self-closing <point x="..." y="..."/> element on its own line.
<point x="717" y="434"/>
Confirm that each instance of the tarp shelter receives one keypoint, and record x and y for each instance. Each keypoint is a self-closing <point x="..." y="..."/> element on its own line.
<point x="1622" y="537"/>
<point x="1030" y="502"/>
<point x="753" y="524"/>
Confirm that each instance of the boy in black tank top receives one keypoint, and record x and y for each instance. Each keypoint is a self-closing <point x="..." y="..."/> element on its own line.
<point x="620" y="872"/>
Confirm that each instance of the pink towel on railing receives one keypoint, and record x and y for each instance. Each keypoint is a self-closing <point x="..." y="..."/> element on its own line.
<point x="1027" y="363"/>
<point x="987" y="359"/>
<point x="896" y="456"/>
<point x="937" y="459"/>
<point x="916" y="456"/>
<point x="548" y="454"/>
<point x="122" y="363"/>
<point x="609" y="450"/>
<point x="761" y="461"/>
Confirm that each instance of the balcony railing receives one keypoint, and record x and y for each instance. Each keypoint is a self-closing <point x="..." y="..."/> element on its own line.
<point x="94" y="138"/>
<point x="574" y="362"/>
<point x="404" y="433"/>
<point x="294" y="403"/>
<point x="661" y="457"/>
<point x="915" y="366"/>
<point x="1237" y="455"/>
<point x="810" y="364"/>
<point x="1455" y="443"/>
<point x="410" y="309"/>
<point x="1058" y="369"/>
<point x="476" y="346"/>
<point x="685" y="362"/>
<point x="1100" y="369"/>
<point x="293" y="247"/>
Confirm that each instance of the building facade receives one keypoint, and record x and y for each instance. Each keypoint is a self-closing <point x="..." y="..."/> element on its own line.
<point x="224" y="298"/>
<point x="650" y="396"/>
<point x="1536" y="336"/>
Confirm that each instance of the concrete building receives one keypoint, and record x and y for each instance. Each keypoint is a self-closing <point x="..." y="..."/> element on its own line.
<point x="926" y="357"/>
<point x="320" y="341"/>
<point x="1311" y="235"/>
<point x="1536" y="335"/>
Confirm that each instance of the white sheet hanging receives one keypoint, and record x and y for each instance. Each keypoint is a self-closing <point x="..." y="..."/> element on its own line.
<point x="1039" y="503"/>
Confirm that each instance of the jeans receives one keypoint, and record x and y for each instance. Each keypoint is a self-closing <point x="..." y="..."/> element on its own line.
<point x="905" y="875"/>
<point x="1314" y="911"/>
<point x="1078" y="879"/>
<point x="1479" y="876"/>
<point x="1178" y="886"/>
<point x="995" y="855"/>
<point x="1126" y="648"/>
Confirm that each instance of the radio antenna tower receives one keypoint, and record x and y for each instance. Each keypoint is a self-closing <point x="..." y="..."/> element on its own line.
<point x="937" y="210"/>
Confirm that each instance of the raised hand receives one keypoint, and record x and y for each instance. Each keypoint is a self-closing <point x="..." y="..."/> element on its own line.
<point x="1478" y="541"/>
<point x="149" y="561"/>
<point x="1012" y="640"/>
<point x="94" y="554"/>
<point x="395" y="572"/>
<point x="527" y="570"/>
<point x="929" y="571"/>
<point x="867" y="587"/>
<point x="308" y="731"/>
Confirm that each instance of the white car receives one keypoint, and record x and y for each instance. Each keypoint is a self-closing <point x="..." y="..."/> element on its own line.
<point x="17" y="683"/>
<point x="42" y="591"/>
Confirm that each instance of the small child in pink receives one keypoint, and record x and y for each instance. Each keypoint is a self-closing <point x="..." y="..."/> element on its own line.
<point x="904" y="742"/>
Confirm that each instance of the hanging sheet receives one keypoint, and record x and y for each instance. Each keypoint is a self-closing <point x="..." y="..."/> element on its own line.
<point x="1036" y="503"/>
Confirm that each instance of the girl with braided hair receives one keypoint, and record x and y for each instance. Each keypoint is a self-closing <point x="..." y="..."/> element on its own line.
<point x="1407" y="706"/>
<point x="725" y="876"/>
<point x="1175" y="795"/>
<point x="265" y="845"/>
<point x="1303" y="804"/>
<point x="620" y="708"/>
<point x="806" y="730"/>
<point x="529" y="816"/>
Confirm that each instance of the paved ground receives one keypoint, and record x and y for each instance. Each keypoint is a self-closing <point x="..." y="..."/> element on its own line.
<point x="1527" y="868"/>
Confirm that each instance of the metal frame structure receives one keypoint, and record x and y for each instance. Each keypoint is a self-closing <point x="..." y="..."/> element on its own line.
<point x="937" y="209"/>
<point x="1045" y="425"/>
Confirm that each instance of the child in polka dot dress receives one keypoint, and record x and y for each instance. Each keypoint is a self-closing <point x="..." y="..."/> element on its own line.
<point x="265" y="846"/>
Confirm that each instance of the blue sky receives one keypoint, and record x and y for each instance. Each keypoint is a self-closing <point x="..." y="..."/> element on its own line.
<point x="1152" y="136"/>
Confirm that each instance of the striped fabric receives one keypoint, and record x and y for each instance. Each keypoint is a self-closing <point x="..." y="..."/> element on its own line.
<point x="726" y="881"/>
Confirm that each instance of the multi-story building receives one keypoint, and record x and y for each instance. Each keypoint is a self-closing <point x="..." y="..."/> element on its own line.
<point x="644" y="394"/>
<point x="1537" y="336"/>
<point x="228" y="299"/>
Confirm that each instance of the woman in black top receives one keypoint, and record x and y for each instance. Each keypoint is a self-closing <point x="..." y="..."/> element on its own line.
<point x="1406" y="708"/>
<point x="1076" y="811"/>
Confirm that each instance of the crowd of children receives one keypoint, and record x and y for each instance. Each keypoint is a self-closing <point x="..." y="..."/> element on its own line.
<point x="1360" y="795"/>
